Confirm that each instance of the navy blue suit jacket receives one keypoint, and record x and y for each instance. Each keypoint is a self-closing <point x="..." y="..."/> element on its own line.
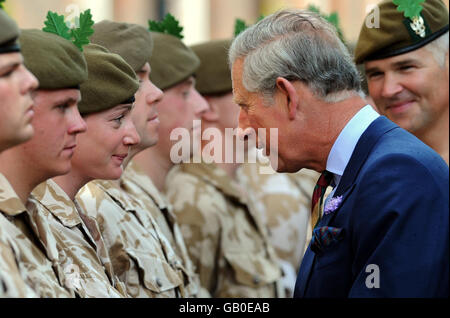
<point x="394" y="214"/>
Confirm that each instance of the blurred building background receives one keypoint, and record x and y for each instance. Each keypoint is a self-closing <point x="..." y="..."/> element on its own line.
<point x="202" y="19"/>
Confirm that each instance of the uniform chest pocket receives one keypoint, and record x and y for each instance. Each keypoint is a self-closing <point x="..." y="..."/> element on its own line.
<point x="253" y="270"/>
<point x="158" y="275"/>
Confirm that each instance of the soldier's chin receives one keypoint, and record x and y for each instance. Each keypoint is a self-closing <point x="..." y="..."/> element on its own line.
<point x="63" y="168"/>
<point x="112" y="173"/>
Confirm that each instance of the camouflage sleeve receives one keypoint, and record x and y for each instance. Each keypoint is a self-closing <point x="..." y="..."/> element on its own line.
<point x="197" y="214"/>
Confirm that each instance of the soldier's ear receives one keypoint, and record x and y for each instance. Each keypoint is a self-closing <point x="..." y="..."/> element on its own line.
<point x="289" y="95"/>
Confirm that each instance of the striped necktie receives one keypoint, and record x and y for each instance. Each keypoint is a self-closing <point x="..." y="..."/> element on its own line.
<point x="317" y="199"/>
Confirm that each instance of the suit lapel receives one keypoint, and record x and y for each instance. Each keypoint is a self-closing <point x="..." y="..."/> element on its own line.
<point x="362" y="150"/>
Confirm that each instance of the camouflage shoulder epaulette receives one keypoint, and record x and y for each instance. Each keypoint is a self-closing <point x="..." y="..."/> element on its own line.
<point x="79" y="35"/>
<point x="168" y="25"/>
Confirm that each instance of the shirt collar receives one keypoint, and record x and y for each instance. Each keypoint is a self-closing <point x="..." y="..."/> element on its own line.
<point x="134" y="174"/>
<point x="10" y="203"/>
<point x="345" y="143"/>
<point x="57" y="202"/>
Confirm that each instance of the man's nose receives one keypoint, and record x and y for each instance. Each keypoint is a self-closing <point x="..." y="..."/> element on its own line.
<point x="79" y="125"/>
<point x="201" y="105"/>
<point x="391" y="86"/>
<point x="155" y="96"/>
<point x="131" y="137"/>
<point x="244" y="131"/>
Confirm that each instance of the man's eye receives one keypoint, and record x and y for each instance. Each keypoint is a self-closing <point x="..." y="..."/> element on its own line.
<point x="374" y="75"/>
<point x="63" y="107"/>
<point x="119" y="119"/>
<point x="406" y="67"/>
<point x="9" y="73"/>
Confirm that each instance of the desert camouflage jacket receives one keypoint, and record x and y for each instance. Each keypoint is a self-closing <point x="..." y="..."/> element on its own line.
<point x="11" y="283"/>
<point x="139" y="186"/>
<point x="284" y="202"/>
<point x="55" y="215"/>
<point x="227" y="243"/>
<point x="36" y="271"/>
<point x="142" y="257"/>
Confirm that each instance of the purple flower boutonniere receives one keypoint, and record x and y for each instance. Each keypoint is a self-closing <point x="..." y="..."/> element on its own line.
<point x="332" y="205"/>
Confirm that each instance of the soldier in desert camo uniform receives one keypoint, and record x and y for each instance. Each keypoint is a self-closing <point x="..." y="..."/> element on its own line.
<point x="227" y="241"/>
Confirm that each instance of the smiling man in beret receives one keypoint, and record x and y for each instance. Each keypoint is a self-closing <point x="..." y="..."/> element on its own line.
<point x="407" y="67"/>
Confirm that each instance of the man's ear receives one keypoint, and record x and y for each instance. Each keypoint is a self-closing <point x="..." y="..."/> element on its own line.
<point x="211" y="114"/>
<point x="290" y="93"/>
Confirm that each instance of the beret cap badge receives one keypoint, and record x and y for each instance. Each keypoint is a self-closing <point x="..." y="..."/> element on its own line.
<point x="418" y="26"/>
<point x="411" y="10"/>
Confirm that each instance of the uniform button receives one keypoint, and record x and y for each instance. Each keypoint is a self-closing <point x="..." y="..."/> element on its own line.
<point x="256" y="280"/>
<point x="158" y="282"/>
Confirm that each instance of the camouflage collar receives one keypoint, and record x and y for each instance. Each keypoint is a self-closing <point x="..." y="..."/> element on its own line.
<point x="57" y="202"/>
<point x="117" y="194"/>
<point x="212" y="174"/>
<point x="10" y="203"/>
<point x="133" y="173"/>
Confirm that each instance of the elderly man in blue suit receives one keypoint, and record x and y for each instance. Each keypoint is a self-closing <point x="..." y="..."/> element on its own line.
<point x="384" y="229"/>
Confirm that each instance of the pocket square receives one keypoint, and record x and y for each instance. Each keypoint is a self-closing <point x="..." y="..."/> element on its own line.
<point x="325" y="236"/>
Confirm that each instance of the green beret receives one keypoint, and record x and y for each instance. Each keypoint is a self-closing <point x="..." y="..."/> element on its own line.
<point x="131" y="41"/>
<point x="396" y="36"/>
<point x="172" y="62"/>
<point x="9" y="32"/>
<point x="111" y="81"/>
<point x="56" y="62"/>
<point x="214" y="75"/>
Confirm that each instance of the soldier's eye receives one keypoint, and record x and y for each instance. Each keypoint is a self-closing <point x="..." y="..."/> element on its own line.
<point x="185" y="94"/>
<point x="118" y="120"/>
<point x="63" y="107"/>
<point x="7" y="74"/>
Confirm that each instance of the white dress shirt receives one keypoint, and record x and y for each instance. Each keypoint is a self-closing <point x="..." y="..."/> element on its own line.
<point x="345" y="144"/>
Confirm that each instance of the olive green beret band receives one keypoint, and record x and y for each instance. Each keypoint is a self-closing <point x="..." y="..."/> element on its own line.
<point x="213" y="77"/>
<point x="131" y="41"/>
<point x="172" y="61"/>
<point x="111" y="81"/>
<point x="56" y="62"/>
<point x="396" y="36"/>
<point x="9" y="32"/>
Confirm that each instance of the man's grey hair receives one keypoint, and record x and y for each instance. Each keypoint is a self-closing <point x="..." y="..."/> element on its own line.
<point x="296" y="45"/>
<point x="439" y="49"/>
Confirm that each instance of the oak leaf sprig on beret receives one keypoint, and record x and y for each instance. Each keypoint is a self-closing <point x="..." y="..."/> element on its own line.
<point x="82" y="34"/>
<point x="1" y="3"/>
<point x="78" y="36"/>
<point x="240" y="25"/>
<point x="333" y="18"/>
<point x="55" y="24"/>
<point x="410" y="8"/>
<point x="168" y="25"/>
